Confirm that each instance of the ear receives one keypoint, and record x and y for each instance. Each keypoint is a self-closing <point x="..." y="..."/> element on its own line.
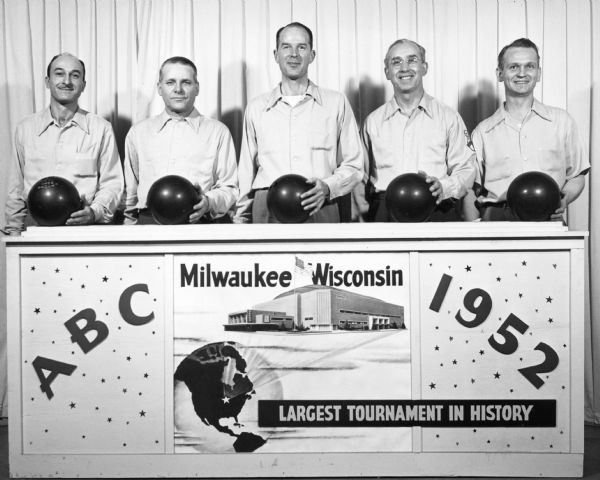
<point x="313" y="54"/>
<point x="275" y="55"/>
<point x="386" y="70"/>
<point x="47" y="82"/>
<point x="499" y="75"/>
<point x="425" y="68"/>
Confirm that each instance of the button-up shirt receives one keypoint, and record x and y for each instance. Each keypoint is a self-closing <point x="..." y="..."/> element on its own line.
<point x="83" y="151"/>
<point x="317" y="137"/>
<point x="546" y="141"/>
<point x="432" y="139"/>
<point x="195" y="147"/>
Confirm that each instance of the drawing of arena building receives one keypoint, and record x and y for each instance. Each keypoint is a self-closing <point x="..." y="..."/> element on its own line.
<point x="318" y="308"/>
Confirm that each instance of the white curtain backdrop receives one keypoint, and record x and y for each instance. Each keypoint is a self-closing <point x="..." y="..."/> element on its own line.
<point x="123" y="42"/>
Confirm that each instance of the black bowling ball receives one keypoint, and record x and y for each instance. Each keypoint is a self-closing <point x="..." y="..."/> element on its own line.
<point x="171" y="200"/>
<point x="52" y="200"/>
<point x="283" y="198"/>
<point x="408" y="198"/>
<point x="533" y="196"/>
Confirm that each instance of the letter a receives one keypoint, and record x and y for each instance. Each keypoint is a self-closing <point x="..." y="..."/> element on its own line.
<point x="55" y="367"/>
<point x="78" y="335"/>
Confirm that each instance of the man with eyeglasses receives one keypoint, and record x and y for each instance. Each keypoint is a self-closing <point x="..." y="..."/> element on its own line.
<point x="524" y="135"/>
<point x="415" y="133"/>
<point x="66" y="141"/>
<point x="298" y="128"/>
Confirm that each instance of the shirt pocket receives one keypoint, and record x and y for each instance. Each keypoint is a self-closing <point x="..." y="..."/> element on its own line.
<point x="85" y="165"/>
<point x="498" y="170"/>
<point x="322" y="152"/>
<point x="383" y="152"/>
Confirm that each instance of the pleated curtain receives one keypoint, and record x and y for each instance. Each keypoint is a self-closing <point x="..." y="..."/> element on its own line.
<point x="123" y="42"/>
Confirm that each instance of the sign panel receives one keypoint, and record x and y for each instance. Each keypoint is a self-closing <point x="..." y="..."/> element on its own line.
<point x="92" y="354"/>
<point x="273" y="351"/>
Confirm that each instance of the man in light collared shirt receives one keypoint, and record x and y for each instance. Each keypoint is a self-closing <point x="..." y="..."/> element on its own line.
<point x="524" y="135"/>
<point x="298" y="128"/>
<point x="180" y="141"/>
<point x="415" y="133"/>
<point x="66" y="141"/>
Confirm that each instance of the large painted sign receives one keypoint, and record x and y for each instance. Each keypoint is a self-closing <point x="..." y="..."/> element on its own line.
<point x="296" y="353"/>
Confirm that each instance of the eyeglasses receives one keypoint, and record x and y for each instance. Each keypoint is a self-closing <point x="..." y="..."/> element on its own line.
<point x="411" y="61"/>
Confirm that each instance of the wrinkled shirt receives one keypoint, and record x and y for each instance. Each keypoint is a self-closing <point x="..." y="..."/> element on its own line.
<point x="546" y="141"/>
<point x="433" y="139"/>
<point x="83" y="151"/>
<point x="196" y="147"/>
<point x="318" y="137"/>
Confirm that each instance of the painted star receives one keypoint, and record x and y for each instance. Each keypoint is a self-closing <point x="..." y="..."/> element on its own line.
<point x="548" y="299"/>
<point x="496" y="375"/>
<point x="524" y="263"/>
<point x="468" y="268"/>
<point x="472" y="380"/>
<point x="498" y="279"/>
<point x="56" y="270"/>
<point x="550" y="320"/>
<point x="36" y="310"/>
<point x="520" y="295"/>
<point x="454" y="362"/>
<point x="554" y="265"/>
<point x="32" y="269"/>
<point x="72" y="405"/>
<point x="436" y="348"/>
<point x="451" y="338"/>
<point x="481" y="352"/>
<point x="146" y="375"/>
<point x="105" y="278"/>
<point x="82" y="285"/>
<point x="142" y="414"/>
<point x="128" y="358"/>
<point x="124" y="390"/>
<point x="225" y="399"/>
<point x="432" y="385"/>
<point x="109" y="419"/>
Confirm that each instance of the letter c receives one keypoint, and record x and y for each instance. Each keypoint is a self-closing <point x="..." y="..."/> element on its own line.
<point x="125" y="305"/>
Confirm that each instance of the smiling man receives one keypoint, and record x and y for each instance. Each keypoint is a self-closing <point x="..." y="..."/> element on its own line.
<point x="415" y="133"/>
<point x="65" y="141"/>
<point x="524" y="135"/>
<point x="180" y="141"/>
<point x="298" y="128"/>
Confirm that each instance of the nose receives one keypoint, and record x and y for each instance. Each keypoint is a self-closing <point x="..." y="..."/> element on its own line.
<point x="178" y="88"/>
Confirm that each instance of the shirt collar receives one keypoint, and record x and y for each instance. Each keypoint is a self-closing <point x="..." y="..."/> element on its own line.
<point x="501" y="114"/>
<point x="276" y="95"/>
<point x="392" y="107"/>
<point x="79" y="120"/>
<point x="193" y="120"/>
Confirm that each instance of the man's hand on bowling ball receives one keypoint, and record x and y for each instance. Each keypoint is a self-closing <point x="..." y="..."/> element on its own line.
<point x="558" y="213"/>
<point x="435" y="188"/>
<point x="200" y="209"/>
<point x="85" y="216"/>
<point x="313" y="199"/>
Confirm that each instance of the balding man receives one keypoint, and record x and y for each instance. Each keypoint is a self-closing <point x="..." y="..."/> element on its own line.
<point x="412" y="133"/>
<point x="66" y="141"/>
<point x="180" y="141"/>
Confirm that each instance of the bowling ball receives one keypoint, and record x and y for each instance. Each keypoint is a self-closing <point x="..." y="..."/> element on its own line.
<point x="52" y="200"/>
<point x="408" y="198"/>
<point x="171" y="200"/>
<point x="283" y="198"/>
<point x="533" y="196"/>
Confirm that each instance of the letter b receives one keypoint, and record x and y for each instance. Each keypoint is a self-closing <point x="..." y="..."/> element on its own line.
<point x="78" y="335"/>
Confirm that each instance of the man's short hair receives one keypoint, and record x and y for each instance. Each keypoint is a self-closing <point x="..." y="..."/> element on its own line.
<point x="294" y="24"/>
<point x="519" y="42"/>
<point x="49" y="67"/>
<point x="400" y="42"/>
<point x="180" y="61"/>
